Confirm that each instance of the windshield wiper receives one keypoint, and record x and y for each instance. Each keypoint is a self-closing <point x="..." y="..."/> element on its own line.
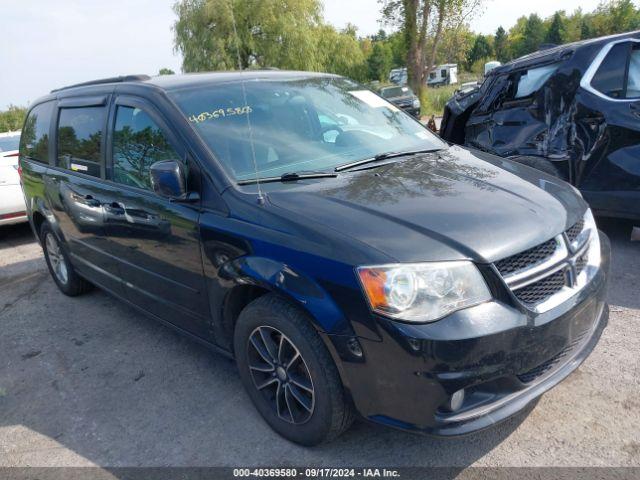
<point x="289" y="177"/>
<point x="383" y="156"/>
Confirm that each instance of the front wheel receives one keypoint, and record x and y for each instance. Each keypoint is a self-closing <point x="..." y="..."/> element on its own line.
<point x="289" y="374"/>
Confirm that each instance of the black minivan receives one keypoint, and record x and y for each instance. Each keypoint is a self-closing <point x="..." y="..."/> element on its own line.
<point x="347" y="258"/>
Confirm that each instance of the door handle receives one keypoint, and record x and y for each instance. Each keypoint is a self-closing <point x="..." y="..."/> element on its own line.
<point x="86" y="199"/>
<point x="115" y="208"/>
<point x="93" y="202"/>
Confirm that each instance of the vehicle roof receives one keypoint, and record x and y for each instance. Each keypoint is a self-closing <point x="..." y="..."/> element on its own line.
<point x="559" y="51"/>
<point x="177" y="82"/>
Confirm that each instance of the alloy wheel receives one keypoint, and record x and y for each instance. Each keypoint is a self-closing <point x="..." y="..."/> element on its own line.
<point x="56" y="259"/>
<point x="281" y="375"/>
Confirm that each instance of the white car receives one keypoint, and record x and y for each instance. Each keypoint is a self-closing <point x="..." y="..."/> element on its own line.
<point x="12" y="207"/>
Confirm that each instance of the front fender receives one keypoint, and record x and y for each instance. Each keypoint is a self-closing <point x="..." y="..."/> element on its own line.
<point x="294" y="285"/>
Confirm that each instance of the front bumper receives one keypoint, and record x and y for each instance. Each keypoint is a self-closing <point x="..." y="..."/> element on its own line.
<point x="502" y="355"/>
<point x="412" y="111"/>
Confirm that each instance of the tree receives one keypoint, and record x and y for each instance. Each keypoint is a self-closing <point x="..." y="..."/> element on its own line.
<point x="585" y="30"/>
<point x="481" y="50"/>
<point x="287" y="34"/>
<point x="12" y="118"/>
<point x="423" y="23"/>
<point x="501" y="45"/>
<point x="166" y="71"/>
<point x="557" y="31"/>
<point x="455" y="45"/>
<point x="381" y="36"/>
<point x="380" y="61"/>
<point x="338" y="52"/>
<point x="533" y="33"/>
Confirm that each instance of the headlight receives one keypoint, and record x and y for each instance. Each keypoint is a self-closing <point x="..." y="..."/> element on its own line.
<point x="591" y="229"/>
<point x="416" y="103"/>
<point x="422" y="292"/>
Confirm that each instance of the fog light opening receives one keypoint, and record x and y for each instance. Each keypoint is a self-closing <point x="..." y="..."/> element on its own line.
<point x="354" y="347"/>
<point x="455" y="401"/>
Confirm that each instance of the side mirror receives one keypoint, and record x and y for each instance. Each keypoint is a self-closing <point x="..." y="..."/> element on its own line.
<point x="168" y="178"/>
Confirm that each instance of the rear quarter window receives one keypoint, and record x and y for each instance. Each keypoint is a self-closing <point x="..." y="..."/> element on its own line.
<point x="633" y="78"/>
<point x="34" y="141"/>
<point x="609" y="79"/>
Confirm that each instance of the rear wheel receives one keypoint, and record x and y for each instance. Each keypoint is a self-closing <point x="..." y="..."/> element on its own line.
<point x="289" y="374"/>
<point x="63" y="273"/>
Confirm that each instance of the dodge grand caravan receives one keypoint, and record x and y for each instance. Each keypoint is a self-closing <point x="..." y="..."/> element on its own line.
<point x="348" y="259"/>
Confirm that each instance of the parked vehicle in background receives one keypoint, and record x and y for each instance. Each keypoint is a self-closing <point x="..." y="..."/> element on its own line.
<point x="440" y="75"/>
<point x="446" y="74"/>
<point x="398" y="76"/>
<point x="403" y="98"/>
<point x="12" y="209"/>
<point x="572" y="111"/>
<point x="348" y="259"/>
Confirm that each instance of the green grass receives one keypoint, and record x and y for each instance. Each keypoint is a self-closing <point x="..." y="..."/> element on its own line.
<point x="434" y="99"/>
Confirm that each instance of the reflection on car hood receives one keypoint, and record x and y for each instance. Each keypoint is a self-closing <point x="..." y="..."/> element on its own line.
<point x="448" y="205"/>
<point x="403" y="99"/>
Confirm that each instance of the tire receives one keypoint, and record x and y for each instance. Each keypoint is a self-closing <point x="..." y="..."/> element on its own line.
<point x="541" y="164"/>
<point x="324" y="412"/>
<point x="60" y="268"/>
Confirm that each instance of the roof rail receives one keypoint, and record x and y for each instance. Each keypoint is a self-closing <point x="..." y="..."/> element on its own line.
<point x="120" y="79"/>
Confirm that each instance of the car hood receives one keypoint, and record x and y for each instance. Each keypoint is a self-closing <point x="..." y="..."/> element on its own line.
<point x="448" y="205"/>
<point x="402" y="99"/>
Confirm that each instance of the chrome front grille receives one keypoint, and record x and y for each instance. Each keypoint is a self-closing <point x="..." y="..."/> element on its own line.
<point x="541" y="273"/>
<point x="581" y="263"/>
<point x="541" y="290"/>
<point x="573" y="232"/>
<point x="527" y="259"/>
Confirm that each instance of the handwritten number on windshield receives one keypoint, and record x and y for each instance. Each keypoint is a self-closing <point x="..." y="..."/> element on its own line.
<point x="220" y="113"/>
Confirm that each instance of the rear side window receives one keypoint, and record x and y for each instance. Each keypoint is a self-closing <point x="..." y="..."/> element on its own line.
<point x="34" y="140"/>
<point x="633" y="81"/>
<point x="609" y="79"/>
<point x="138" y="143"/>
<point x="80" y="139"/>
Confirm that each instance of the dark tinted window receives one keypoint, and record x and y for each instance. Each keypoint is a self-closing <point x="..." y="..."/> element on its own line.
<point x="137" y="144"/>
<point x="633" y="82"/>
<point x="80" y="138"/>
<point x="609" y="79"/>
<point x="35" y="133"/>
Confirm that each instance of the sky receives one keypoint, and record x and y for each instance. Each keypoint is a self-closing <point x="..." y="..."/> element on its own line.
<point x="48" y="44"/>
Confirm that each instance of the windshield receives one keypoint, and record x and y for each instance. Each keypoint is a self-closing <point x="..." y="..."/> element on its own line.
<point x="9" y="143"/>
<point x="310" y="124"/>
<point x="394" y="92"/>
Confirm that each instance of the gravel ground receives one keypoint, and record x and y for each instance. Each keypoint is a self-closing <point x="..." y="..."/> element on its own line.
<point x="89" y="381"/>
